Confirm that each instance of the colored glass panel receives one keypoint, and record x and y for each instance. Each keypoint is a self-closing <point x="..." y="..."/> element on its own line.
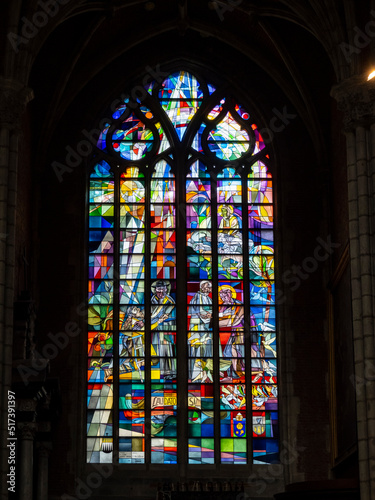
<point x="180" y="97"/>
<point x="131" y="417"/>
<point x="230" y="266"/>
<point x="230" y="301"/>
<point x="163" y="321"/>
<point x="100" y="311"/>
<point x="132" y="266"/>
<point x="228" y="141"/>
<point x="132" y="241"/>
<point x="100" y="266"/>
<point x="163" y="266"/>
<point x="201" y="433"/>
<point x="260" y="217"/>
<point x="216" y="110"/>
<point x="132" y="140"/>
<point x="102" y="141"/>
<point x="163" y="241"/>
<point x="132" y="191"/>
<point x="101" y="216"/>
<point x="231" y="318"/>
<point x="198" y="216"/>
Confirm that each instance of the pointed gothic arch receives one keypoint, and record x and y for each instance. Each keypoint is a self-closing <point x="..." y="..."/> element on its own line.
<point x="181" y="323"/>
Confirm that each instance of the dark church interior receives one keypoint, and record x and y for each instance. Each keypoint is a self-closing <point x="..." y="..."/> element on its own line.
<point x="303" y="70"/>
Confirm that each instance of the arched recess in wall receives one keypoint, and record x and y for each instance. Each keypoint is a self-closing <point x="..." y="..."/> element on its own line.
<point x="182" y="361"/>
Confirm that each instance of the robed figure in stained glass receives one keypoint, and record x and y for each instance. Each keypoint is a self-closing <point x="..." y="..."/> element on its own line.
<point x="163" y="321"/>
<point x="200" y="335"/>
<point x="184" y="169"/>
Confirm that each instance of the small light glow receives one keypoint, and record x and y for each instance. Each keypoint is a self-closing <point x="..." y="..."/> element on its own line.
<point x="371" y="75"/>
<point x="213" y="5"/>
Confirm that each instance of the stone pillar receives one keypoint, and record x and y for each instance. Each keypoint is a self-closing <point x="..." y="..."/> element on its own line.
<point x="25" y="460"/>
<point x="13" y="100"/>
<point x="356" y="98"/>
<point x="43" y="450"/>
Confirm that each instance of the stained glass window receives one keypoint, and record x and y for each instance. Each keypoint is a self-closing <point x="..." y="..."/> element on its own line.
<point x="182" y="356"/>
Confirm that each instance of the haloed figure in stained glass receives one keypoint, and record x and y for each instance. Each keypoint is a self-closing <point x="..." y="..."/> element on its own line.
<point x="201" y="307"/>
<point x="231" y="312"/>
<point x="228" y="219"/>
<point x="231" y="315"/>
<point x="226" y="232"/>
<point x="163" y="321"/>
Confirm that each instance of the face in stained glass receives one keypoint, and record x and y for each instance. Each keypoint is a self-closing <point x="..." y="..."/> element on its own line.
<point x="229" y="217"/>
<point x="132" y="318"/>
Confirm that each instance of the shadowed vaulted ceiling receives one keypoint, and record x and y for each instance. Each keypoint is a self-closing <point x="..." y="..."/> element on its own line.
<point x="93" y="47"/>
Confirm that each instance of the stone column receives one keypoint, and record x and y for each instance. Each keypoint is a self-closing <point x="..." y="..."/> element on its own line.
<point x="25" y="460"/>
<point x="43" y="449"/>
<point x="356" y="98"/>
<point x="13" y="100"/>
